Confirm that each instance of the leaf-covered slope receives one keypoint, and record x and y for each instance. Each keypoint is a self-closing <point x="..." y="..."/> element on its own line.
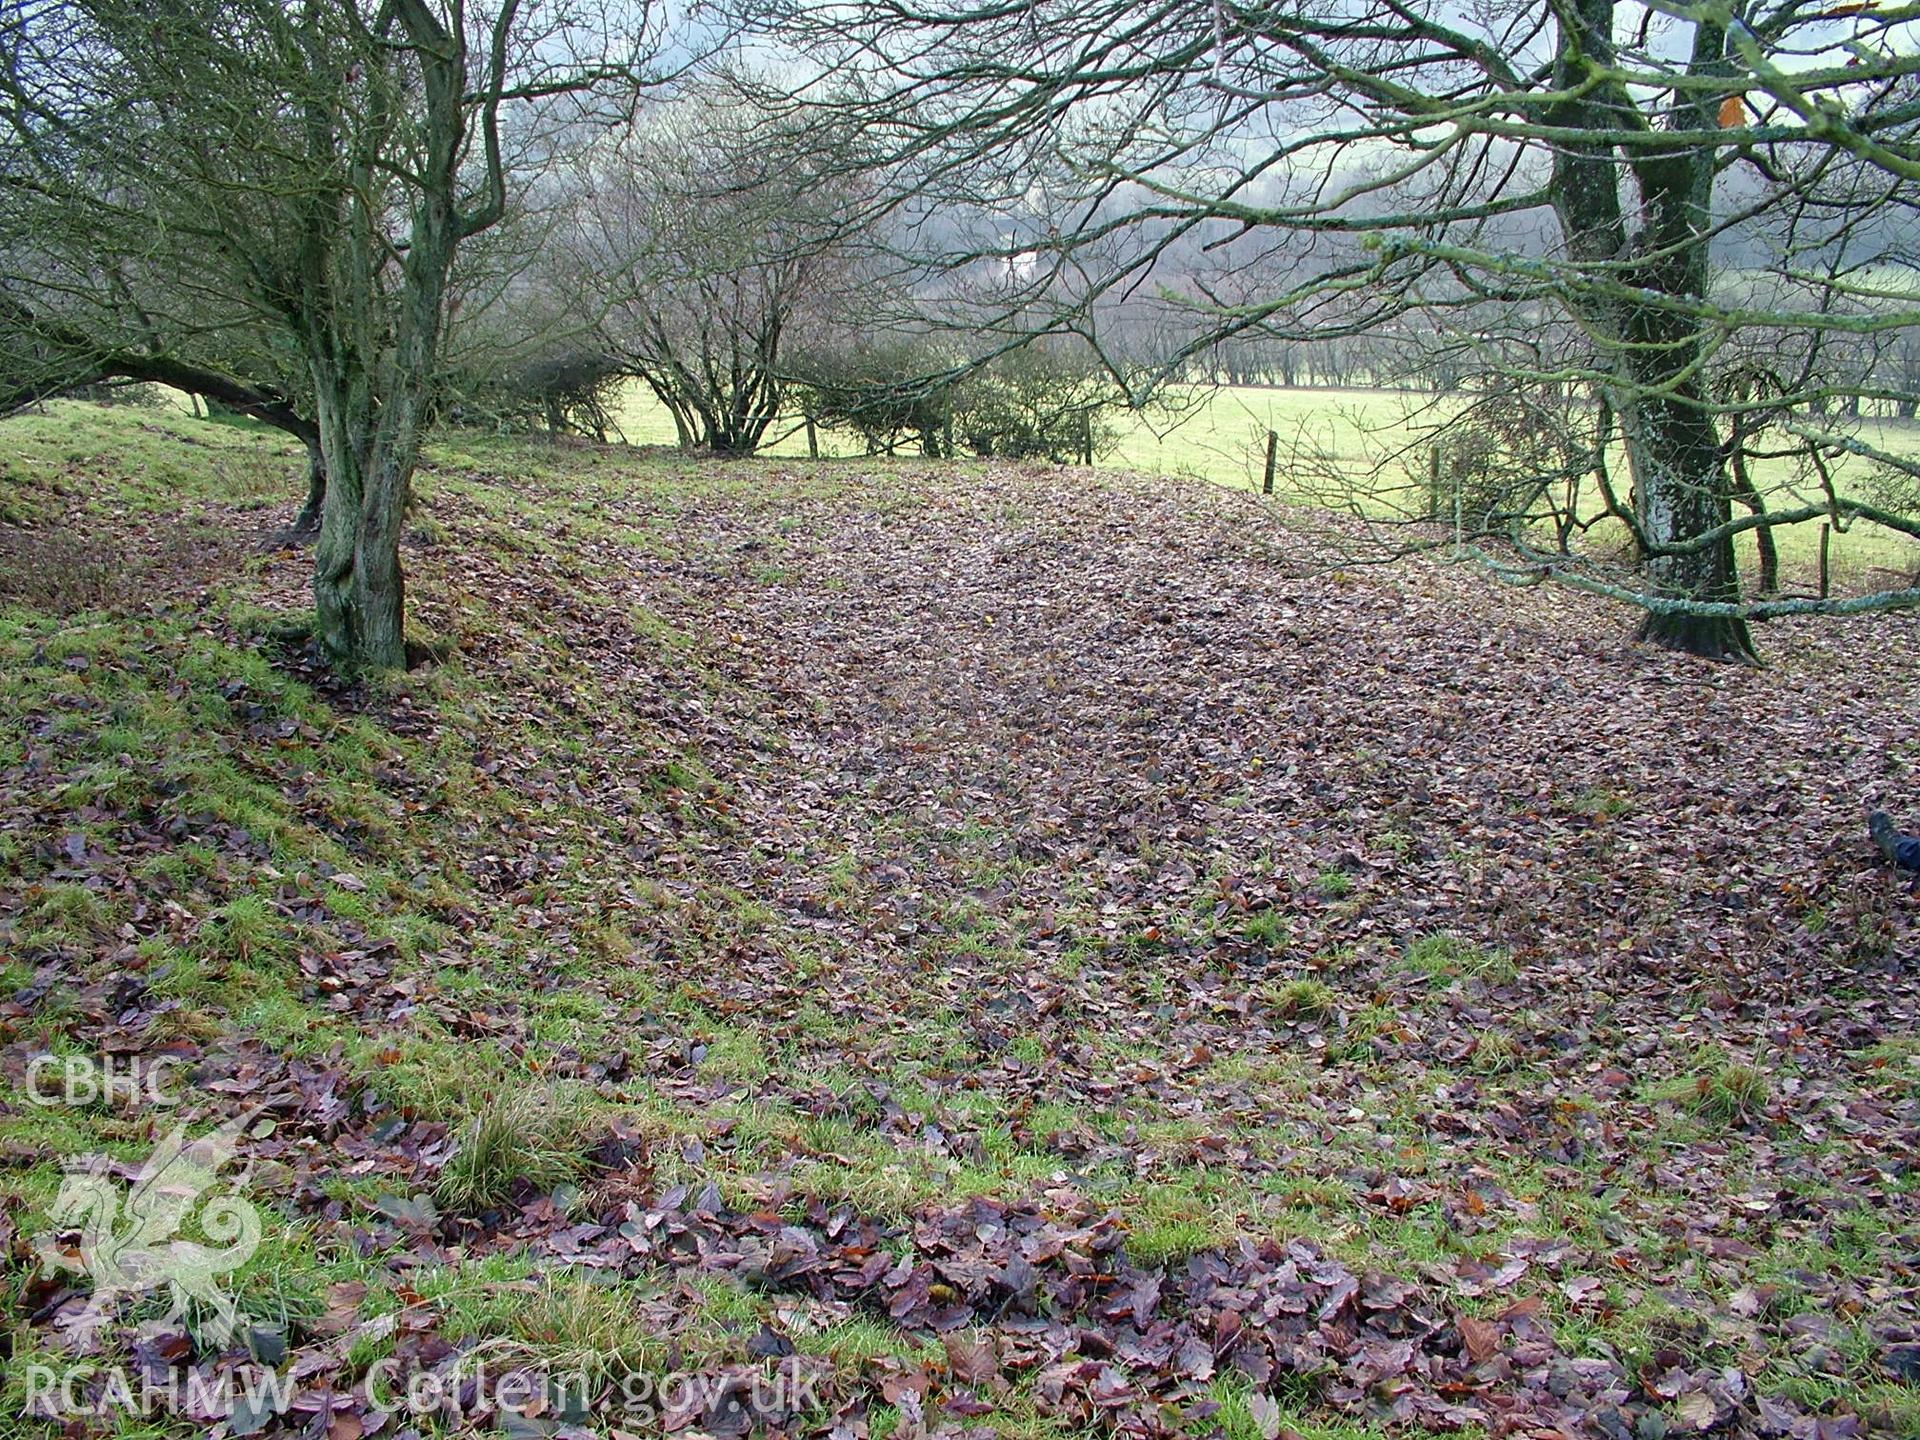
<point x="1026" y="942"/>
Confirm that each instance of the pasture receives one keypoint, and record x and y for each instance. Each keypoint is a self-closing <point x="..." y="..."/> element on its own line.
<point x="1218" y="434"/>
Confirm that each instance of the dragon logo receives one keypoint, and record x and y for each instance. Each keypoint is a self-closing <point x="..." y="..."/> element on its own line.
<point x="129" y="1242"/>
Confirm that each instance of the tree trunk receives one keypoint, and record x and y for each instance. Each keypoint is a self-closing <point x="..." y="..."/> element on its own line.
<point x="1680" y="491"/>
<point x="1679" y="469"/>
<point x="359" y="590"/>
<point x="370" y="431"/>
<point x="1681" y="486"/>
<point x="306" y="525"/>
<point x="1714" y="637"/>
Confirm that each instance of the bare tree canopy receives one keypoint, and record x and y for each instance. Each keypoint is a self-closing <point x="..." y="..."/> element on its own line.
<point x="1667" y="182"/>
<point x="708" y="248"/>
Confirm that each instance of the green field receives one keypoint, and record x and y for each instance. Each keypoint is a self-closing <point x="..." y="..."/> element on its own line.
<point x="1215" y="435"/>
<point x="1219" y="435"/>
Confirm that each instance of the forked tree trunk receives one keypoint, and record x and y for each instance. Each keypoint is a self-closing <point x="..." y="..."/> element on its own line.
<point x="359" y="589"/>
<point x="370" y="442"/>
<point x="1682" y="488"/>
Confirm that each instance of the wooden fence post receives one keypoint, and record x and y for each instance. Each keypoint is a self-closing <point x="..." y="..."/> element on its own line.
<point x="1826" y="533"/>
<point x="1273" y="455"/>
<point x="813" y="440"/>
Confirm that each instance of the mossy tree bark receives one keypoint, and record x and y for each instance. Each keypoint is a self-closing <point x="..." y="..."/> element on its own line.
<point x="1647" y="322"/>
<point x="373" y="348"/>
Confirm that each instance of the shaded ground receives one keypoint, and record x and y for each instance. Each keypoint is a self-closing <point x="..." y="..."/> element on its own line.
<point x="1019" y="950"/>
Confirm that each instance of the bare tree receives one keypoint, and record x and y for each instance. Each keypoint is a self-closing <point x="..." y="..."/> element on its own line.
<point x="308" y="170"/>
<point x="708" y="248"/>
<point x="1385" y="163"/>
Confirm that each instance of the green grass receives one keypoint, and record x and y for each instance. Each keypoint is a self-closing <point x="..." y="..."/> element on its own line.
<point x="147" y="459"/>
<point x="1494" y="1052"/>
<point x="245" y="928"/>
<point x="576" y="1325"/>
<point x="520" y="1137"/>
<point x="1334" y="884"/>
<point x="1449" y="957"/>
<point x="855" y="1343"/>
<point x="1721" y="1090"/>
<point x="1303" y="1000"/>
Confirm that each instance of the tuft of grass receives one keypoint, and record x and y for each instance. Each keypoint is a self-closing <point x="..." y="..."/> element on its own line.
<point x="1028" y="1049"/>
<point x="1169" y="1220"/>
<point x="516" y="1137"/>
<point x="1494" y="1053"/>
<point x="65" y="912"/>
<point x="855" y="1343"/>
<point x="1360" y="1030"/>
<point x="240" y="930"/>
<point x="1268" y="928"/>
<point x="676" y="776"/>
<point x="1601" y="803"/>
<point x="1728" y="1092"/>
<point x="1448" y="957"/>
<point x="1162" y="1242"/>
<point x="1334" y="883"/>
<point x="1303" y="1000"/>
<point x="736" y="1055"/>
<point x="576" y="1326"/>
